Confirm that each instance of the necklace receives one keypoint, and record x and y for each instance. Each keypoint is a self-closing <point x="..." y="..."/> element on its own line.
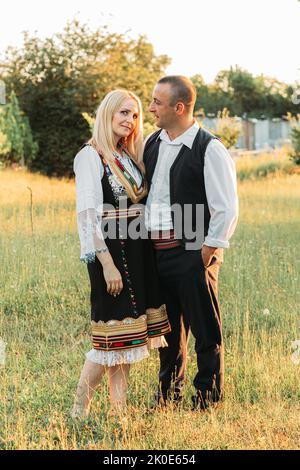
<point x="127" y="175"/>
<point x="116" y="168"/>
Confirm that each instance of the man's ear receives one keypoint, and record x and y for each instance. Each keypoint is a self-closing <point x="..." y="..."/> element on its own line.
<point x="179" y="108"/>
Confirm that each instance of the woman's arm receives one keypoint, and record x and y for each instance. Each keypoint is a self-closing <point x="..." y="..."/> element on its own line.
<point x="89" y="171"/>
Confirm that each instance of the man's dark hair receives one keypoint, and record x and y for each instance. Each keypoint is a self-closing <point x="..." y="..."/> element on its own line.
<point x="182" y="90"/>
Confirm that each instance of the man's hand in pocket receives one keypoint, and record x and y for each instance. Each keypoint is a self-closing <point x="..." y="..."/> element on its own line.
<point x="207" y="253"/>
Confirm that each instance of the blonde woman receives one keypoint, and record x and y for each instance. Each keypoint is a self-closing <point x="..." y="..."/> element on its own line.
<point x="127" y="316"/>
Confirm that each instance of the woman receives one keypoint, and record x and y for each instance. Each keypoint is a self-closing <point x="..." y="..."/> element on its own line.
<point x="127" y="316"/>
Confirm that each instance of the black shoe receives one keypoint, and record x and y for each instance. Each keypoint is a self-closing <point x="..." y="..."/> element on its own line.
<point x="170" y="400"/>
<point x="198" y="404"/>
<point x="211" y="400"/>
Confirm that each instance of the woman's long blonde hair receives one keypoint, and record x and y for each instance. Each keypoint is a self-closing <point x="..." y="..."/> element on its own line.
<point x="102" y="138"/>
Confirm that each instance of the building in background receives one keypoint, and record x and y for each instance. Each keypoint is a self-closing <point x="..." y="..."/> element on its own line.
<point x="259" y="134"/>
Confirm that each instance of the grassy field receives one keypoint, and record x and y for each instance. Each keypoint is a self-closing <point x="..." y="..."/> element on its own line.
<point x="44" y="321"/>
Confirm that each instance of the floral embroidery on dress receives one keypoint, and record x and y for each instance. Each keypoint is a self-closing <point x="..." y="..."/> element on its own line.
<point x="117" y="188"/>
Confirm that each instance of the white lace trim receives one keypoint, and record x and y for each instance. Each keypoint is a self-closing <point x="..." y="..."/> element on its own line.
<point x="158" y="342"/>
<point x="112" y="358"/>
<point x="126" y="356"/>
<point x="125" y="321"/>
<point x="90" y="234"/>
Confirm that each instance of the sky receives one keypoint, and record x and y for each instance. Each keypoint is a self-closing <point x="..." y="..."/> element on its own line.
<point x="200" y="36"/>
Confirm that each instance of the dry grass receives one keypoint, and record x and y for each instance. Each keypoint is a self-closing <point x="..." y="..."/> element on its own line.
<point x="253" y="165"/>
<point x="44" y="321"/>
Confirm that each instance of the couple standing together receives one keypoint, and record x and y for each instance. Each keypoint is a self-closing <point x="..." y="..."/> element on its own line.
<point x="150" y="293"/>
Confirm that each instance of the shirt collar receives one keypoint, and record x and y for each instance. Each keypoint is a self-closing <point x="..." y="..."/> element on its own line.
<point x="187" y="138"/>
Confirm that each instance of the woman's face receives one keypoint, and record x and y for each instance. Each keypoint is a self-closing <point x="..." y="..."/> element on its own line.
<point x="125" y="119"/>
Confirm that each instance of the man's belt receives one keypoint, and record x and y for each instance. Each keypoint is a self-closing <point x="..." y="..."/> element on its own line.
<point x="164" y="239"/>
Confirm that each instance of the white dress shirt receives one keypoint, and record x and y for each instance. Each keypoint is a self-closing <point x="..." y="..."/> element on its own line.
<point x="220" y="187"/>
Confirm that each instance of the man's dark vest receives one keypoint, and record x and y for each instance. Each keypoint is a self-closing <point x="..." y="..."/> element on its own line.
<point x="186" y="177"/>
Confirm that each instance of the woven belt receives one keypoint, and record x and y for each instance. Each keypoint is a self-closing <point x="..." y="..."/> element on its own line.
<point x="164" y="239"/>
<point x="121" y="213"/>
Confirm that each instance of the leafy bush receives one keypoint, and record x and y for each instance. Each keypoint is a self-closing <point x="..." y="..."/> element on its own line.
<point x="295" y="136"/>
<point x="228" y="129"/>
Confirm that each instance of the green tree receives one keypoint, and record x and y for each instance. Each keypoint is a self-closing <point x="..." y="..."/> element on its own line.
<point x="60" y="78"/>
<point x="244" y="94"/>
<point x="16" y="141"/>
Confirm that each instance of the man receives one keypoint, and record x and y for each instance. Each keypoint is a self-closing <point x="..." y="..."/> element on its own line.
<point x="189" y="168"/>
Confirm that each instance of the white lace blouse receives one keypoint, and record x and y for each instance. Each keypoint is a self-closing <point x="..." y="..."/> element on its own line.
<point x="89" y="170"/>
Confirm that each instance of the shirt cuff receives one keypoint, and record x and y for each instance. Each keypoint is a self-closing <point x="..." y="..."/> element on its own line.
<point x="91" y="257"/>
<point x="214" y="242"/>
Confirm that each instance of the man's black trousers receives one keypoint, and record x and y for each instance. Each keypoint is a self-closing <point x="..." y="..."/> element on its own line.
<point x="190" y="292"/>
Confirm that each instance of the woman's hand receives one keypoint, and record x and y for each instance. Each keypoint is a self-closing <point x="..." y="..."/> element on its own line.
<point x="111" y="274"/>
<point x="113" y="279"/>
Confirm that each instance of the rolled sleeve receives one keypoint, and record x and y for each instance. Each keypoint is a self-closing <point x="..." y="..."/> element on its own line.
<point x="221" y="193"/>
<point x="88" y="170"/>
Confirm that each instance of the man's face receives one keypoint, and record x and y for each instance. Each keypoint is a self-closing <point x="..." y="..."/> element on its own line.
<point x="163" y="112"/>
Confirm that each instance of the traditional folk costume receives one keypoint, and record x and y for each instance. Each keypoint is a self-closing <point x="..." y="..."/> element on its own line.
<point x="192" y="170"/>
<point x="124" y="327"/>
